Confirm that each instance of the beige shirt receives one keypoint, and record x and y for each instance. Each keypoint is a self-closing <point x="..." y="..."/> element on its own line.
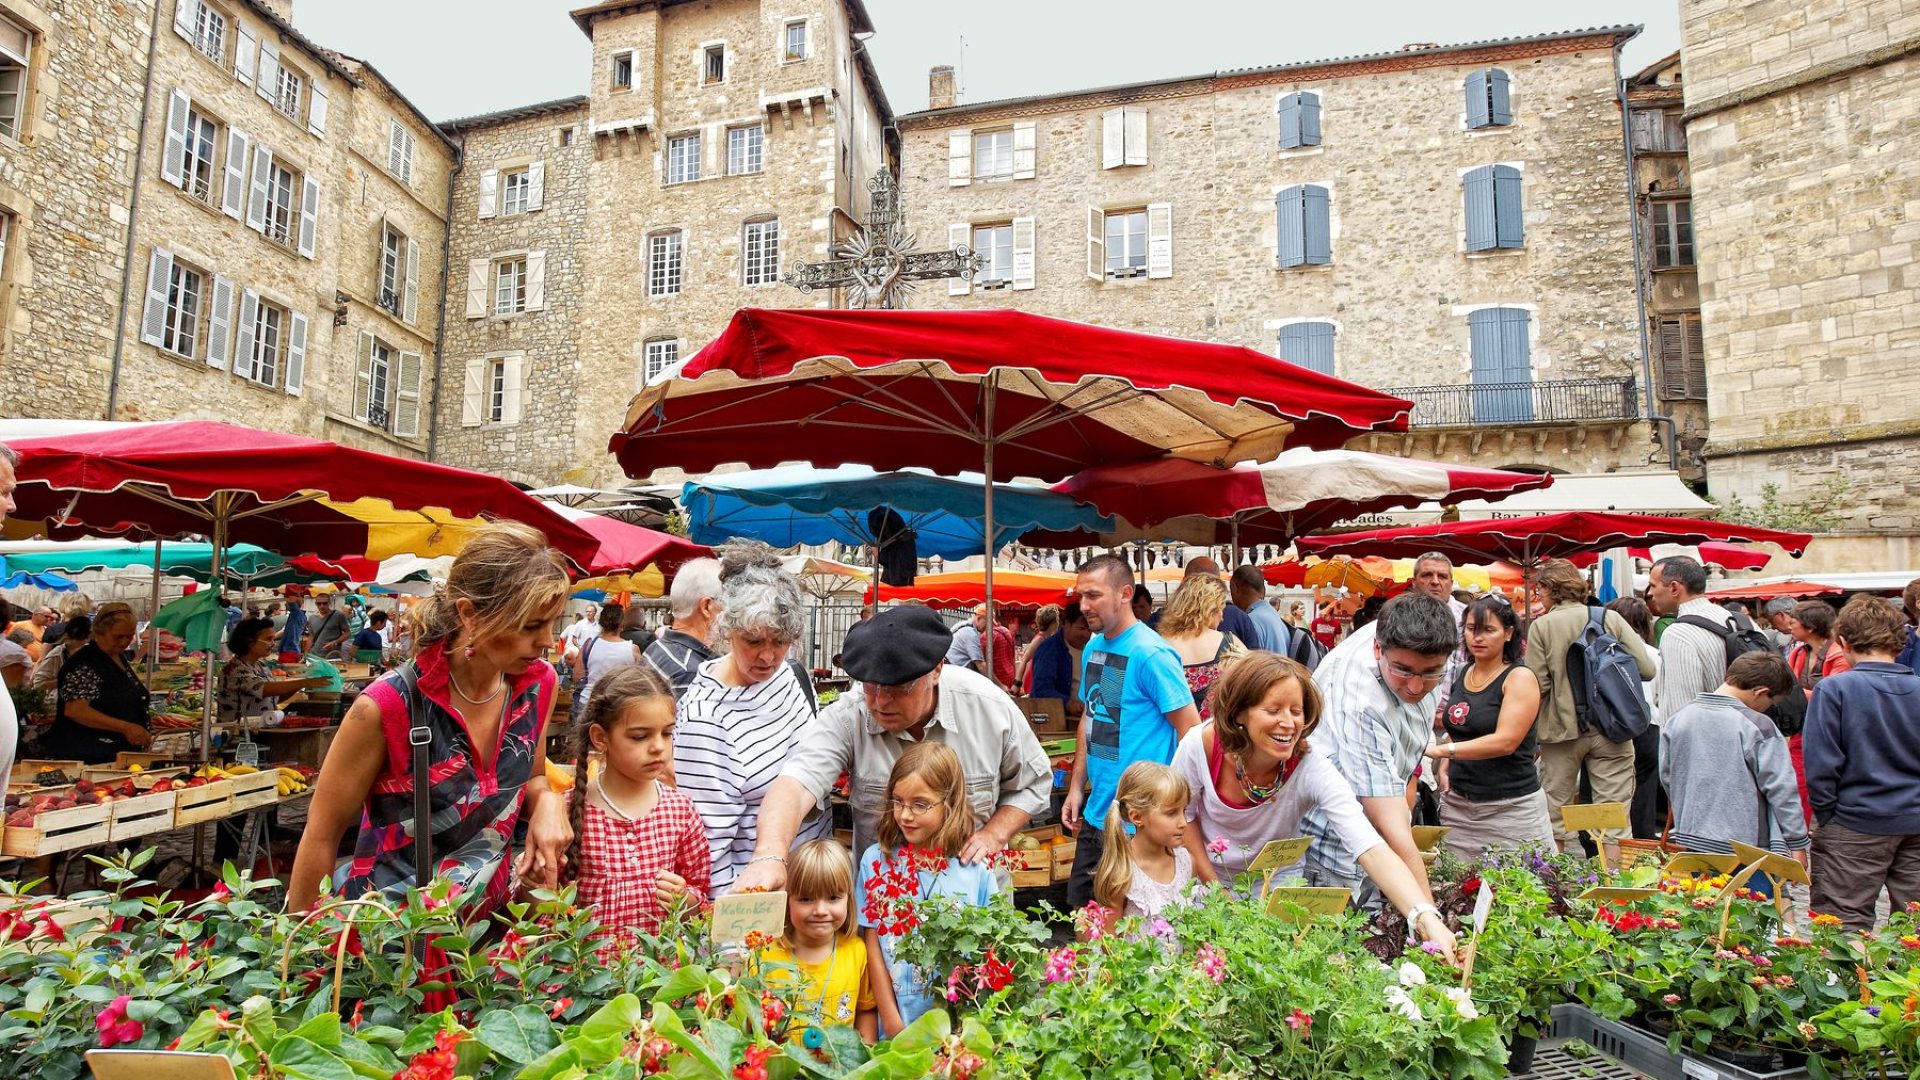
<point x="1547" y="642"/>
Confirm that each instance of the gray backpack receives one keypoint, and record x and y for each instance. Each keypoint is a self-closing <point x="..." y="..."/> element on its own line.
<point x="1607" y="697"/>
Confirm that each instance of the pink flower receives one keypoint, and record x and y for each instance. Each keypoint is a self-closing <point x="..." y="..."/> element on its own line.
<point x="115" y="1026"/>
<point x="1217" y="846"/>
<point x="1300" y="1021"/>
<point x="1212" y="963"/>
<point x="1060" y="964"/>
<point x="1671" y="999"/>
<point x="1093" y="921"/>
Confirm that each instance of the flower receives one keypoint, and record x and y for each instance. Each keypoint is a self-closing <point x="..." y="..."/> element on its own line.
<point x="1398" y="1000"/>
<point x="1212" y="963"/>
<point x="1671" y="999"/>
<point x="1411" y="975"/>
<point x="1217" y="847"/>
<point x="1826" y="920"/>
<point x="1159" y="927"/>
<point x="1060" y="964"/>
<point x="1300" y="1021"/>
<point x="1462" y="999"/>
<point x="1783" y="980"/>
<point x="1432" y="948"/>
<point x="992" y="973"/>
<point x="115" y="1026"/>
<point x="1094" y="921"/>
<point x="437" y="1062"/>
<point x="1808" y="1031"/>
<point x="1910" y="941"/>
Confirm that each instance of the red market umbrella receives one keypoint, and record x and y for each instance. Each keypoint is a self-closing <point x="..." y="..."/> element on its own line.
<point x="1730" y="556"/>
<point x="1774" y="589"/>
<point x="628" y="548"/>
<point x="1529" y="540"/>
<point x="972" y="594"/>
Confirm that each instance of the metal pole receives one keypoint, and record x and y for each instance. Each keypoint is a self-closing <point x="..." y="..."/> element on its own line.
<point x="221" y="503"/>
<point x="153" y="608"/>
<point x="987" y="529"/>
<point x="1235" y="560"/>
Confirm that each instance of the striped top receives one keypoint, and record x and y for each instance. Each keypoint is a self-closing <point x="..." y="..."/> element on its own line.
<point x="1693" y="660"/>
<point x="728" y="747"/>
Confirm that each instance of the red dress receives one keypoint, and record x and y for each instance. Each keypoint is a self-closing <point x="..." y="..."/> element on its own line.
<point x="620" y="861"/>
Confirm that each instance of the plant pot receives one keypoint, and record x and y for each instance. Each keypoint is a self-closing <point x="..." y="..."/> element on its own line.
<point x="1748" y="1056"/>
<point x="1657" y="1021"/>
<point x="1520" y="1049"/>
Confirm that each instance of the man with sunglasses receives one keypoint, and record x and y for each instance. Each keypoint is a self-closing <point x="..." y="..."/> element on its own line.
<point x="906" y="693"/>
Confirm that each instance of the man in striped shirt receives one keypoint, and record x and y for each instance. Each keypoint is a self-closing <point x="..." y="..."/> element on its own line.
<point x="1693" y="659"/>
<point x="678" y="653"/>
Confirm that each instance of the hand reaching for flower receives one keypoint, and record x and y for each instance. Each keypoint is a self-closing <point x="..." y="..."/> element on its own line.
<point x="669" y="888"/>
<point x="1434" y="930"/>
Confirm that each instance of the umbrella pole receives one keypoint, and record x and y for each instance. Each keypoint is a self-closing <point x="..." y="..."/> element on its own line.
<point x="987" y="542"/>
<point x="153" y="608"/>
<point x="220" y="508"/>
<point x="1235" y="559"/>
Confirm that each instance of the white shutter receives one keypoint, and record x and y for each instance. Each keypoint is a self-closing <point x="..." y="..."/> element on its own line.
<point x="959" y="158"/>
<point x="1096" y="243"/>
<point x="243" y="334"/>
<point x="220" y="324"/>
<point x="317" y="110"/>
<point x="536" y="185"/>
<point x="959" y="234"/>
<point x="1160" y="240"/>
<point x="536" y="280"/>
<point x="173" y="162"/>
<point x="410" y="290"/>
<point x="515" y="379"/>
<point x="475" y="395"/>
<point x="1023" y="245"/>
<point x="269" y="83"/>
<point x="1136" y="123"/>
<point x="489" y="192"/>
<point x="406" y="408"/>
<point x="1023" y="143"/>
<point x="153" y="321"/>
<point x="362" y="376"/>
<point x="245" y="49"/>
<point x="186" y="18"/>
<point x="477" y="273"/>
<point x="257" y="197"/>
<point x="309" y="215"/>
<point x="233" y="193"/>
<point x="297" y="354"/>
<point x="1113" y="139"/>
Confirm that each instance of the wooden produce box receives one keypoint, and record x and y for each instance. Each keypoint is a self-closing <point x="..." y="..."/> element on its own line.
<point x="141" y="758"/>
<point x="297" y="746"/>
<point x="25" y="771"/>
<point x="1048" y="716"/>
<point x="59" y="830"/>
<point x="141" y="815"/>
<point x="1063" y="852"/>
<point x="255" y="789"/>
<point x="1033" y="867"/>
<point x="108" y="775"/>
<point x="208" y="802"/>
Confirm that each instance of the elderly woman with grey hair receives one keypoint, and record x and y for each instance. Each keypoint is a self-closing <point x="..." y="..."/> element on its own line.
<point x="740" y="716"/>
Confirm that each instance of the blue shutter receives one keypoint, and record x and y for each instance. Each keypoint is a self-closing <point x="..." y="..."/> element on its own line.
<point x="1289" y="224"/>
<point x="1309" y="119"/>
<point x="1502" y="364"/>
<point x="1508" y="230"/>
<point x="1317" y="225"/>
<point x="1477" y="111"/>
<point x="1480" y="230"/>
<point x="1308" y="345"/>
<point x="1289" y="121"/>
<point x="1499" y="98"/>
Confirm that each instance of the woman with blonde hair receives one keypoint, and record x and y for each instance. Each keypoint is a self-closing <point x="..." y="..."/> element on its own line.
<point x="102" y="707"/>
<point x="1190" y="624"/>
<point x="462" y="725"/>
<point x="1046" y="623"/>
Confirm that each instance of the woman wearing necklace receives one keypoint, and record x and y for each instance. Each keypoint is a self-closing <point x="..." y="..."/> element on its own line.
<point x="1490" y="794"/>
<point x="482" y="693"/>
<point x="1254" y="779"/>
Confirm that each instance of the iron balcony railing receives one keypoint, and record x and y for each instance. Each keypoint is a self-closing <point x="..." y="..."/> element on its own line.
<point x="1610" y="399"/>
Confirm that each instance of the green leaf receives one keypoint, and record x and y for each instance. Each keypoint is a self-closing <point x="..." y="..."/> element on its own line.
<point x="203" y="1030"/>
<point x="666" y="1024"/>
<point x="322" y="1030"/>
<point x="520" y="1035"/>
<point x="616" y="1018"/>
<point x="369" y="1060"/>
<point x="302" y="1060"/>
<point x="930" y="1030"/>
<point x="685" y="981"/>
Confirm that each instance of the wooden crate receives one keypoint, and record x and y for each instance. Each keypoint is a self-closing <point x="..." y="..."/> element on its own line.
<point x="108" y="775"/>
<point x="24" y="771"/>
<point x="1063" y="854"/>
<point x="1032" y="879"/>
<point x="207" y="802"/>
<point x="141" y="815"/>
<point x="141" y="758"/>
<point x="59" y="830"/>
<point x="255" y="789"/>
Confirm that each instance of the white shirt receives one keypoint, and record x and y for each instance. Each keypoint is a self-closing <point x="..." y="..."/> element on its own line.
<point x="1314" y="785"/>
<point x="9" y="731"/>
<point x="581" y="632"/>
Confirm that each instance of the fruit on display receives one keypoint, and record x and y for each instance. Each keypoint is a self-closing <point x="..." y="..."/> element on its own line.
<point x="293" y="780"/>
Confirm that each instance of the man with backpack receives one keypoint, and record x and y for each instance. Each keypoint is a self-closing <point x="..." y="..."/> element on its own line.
<point x="1587" y="660"/>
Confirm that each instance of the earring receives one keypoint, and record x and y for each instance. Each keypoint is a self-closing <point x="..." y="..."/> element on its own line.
<point x="1128" y="827"/>
<point x="468" y="652"/>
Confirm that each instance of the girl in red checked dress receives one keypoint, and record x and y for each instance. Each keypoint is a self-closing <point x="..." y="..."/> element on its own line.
<point x="638" y="845"/>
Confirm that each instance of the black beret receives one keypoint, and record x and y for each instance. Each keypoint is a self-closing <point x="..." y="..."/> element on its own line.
<point x="896" y="646"/>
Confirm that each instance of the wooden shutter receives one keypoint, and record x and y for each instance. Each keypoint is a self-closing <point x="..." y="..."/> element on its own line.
<point x="317" y="109"/>
<point x="406" y="408"/>
<point x="489" y="192"/>
<point x="1023" y="252"/>
<point x="309" y="214"/>
<point x="233" y="192"/>
<point x="153" y="321"/>
<point x="1477" y="114"/>
<point x="1508" y="227"/>
<point x="536" y="280"/>
<point x="959" y="235"/>
<point x="1479" y="196"/>
<point x="220" y="324"/>
<point x="515" y="365"/>
<point x="257" y="197"/>
<point x="473" y="395"/>
<point x="268" y="85"/>
<point x="1309" y="345"/>
<point x="410" y="289"/>
<point x="1289" y="223"/>
<point x="173" y="162"/>
<point x="1160" y="240"/>
<point x="1683" y="366"/>
<point x="1113" y="138"/>
<point x="1023" y="150"/>
<point x="1316" y="218"/>
<point x="959" y="158"/>
<point x="1096" y="243"/>
<point x="243" y="344"/>
<point x="1502" y="354"/>
<point x="186" y="19"/>
<point x="1499" y="97"/>
<point x="478" y="271"/>
<point x="1309" y="118"/>
<point x="363" y="377"/>
<point x="1136" y="122"/>
<point x="536" y="185"/>
<point x="1289" y="121"/>
<point x="296" y="353"/>
<point x="246" y="48"/>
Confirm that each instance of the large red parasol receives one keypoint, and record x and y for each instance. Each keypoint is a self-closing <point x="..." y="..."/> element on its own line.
<point x="626" y="548"/>
<point x="1529" y="540"/>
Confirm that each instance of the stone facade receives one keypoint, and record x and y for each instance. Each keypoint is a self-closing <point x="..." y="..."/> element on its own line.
<point x="1803" y="126"/>
<point x="1399" y="286"/>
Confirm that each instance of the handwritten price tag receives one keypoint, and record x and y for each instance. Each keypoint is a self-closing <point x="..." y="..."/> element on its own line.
<point x="1778" y="865"/>
<point x="1290" y="905"/>
<point x="1702" y="862"/>
<point x="1428" y="837"/>
<point x="1594" y="817"/>
<point x="158" y="1065"/>
<point x="1278" y="854"/>
<point x="739" y="914"/>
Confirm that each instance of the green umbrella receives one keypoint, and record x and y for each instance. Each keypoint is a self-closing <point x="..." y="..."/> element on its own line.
<point x="197" y="619"/>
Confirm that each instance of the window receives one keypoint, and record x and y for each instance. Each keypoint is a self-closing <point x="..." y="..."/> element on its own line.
<point x="713" y="65"/>
<point x="16" y="54"/>
<point x="379" y="389"/>
<point x="993" y="155"/>
<point x="1489" y="99"/>
<point x="1303" y="225"/>
<point x="184" y="304"/>
<point x="497" y="389"/>
<point x="400" y="151"/>
<point x="286" y="95"/>
<point x="1299" y="120"/>
<point x="1493" y="208"/>
<point x="6" y="235"/>
<point x="393" y="255"/>
<point x="494" y="387"/>
<point x="1682" y="372"/>
<point x="760" y="253"/>
<point x="1308" y="344"/>
<point x="660" y="355"/>
<point x="1123" y="137"/>
<point x="746" y="149"/>
<point x="663" y="264"/>
<point x="1502" y="365"/>
<point x="1672" y="232"/>
<point x="796" y="40"/>
<point x="210" y="34"/>
<point x="280" y="207"/>
<point x="196" y="171"/>
<point x="514" y="187"/>
<point x="996" y="243"/>
<point x="683" y="159"/>
<point x="510" y="286"/>
<point x="268" y="346"/>
<point x="566" y="136"/>
<point x="623" y="71"/>
<point x="1127" y="244"/>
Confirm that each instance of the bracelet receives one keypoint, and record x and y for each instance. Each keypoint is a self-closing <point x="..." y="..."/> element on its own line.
<point x="781" y="859"/>
<point x="1414" y="913"/>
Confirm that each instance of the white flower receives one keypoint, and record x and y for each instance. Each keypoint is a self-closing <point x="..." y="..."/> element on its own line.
<point x="1411" y="975"/>
<point x="1398" y="1000"/>
<point x="1463" y="1003"/>
<point x="1832" y="979"/>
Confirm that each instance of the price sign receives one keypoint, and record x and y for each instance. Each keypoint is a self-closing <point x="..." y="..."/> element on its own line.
<point x="1310" y="903"/>
<point x="158" y="1065"/>
<point x="1277" y="854"/>
<point x="1702" y="862"/>
<point x="1594" y="817"/>
<point x="1482" y="907"/>
<point x="1605" y="894"/>
<point x="738" y="914"/>
<point x="1428" y="837"/>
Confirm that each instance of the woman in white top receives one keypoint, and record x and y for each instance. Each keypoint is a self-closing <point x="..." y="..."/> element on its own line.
<point x="603" y="654"/>
<point x="1253" y="780"/>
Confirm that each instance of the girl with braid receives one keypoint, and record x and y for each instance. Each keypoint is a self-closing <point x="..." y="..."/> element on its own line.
<point x="638" y="844"/>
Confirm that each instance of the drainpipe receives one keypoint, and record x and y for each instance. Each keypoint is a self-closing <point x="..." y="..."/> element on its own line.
<point x="1652" y="415"/>
<point x="440" y="326"/>
<point x="133" y="218"/>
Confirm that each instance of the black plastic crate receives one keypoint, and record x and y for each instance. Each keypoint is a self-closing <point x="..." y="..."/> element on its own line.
<point x="1645" y="1052"/>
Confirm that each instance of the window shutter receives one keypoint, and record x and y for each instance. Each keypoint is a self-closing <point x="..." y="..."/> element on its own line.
<point x="489" y="192"/>
<point x="1113" y="132"/>
<point x="1479" y="189"/>
<point x="1289" y="121"/>
<point x="317" y="110"/>
<point x="296" y="353"/>
<point x="1499" y="97"/>
<point x="309" y="215"/>
<point x="1317" y="223"/>
<point x="1501" y="355"/>
<point x="363" y="377"/>
<point x="1023" y="150"/>
<point x="245" y="48"/>
<point x="536" y="280"/>
<point x="1309" y="119"/>
<point x="269" y="82"/>
<point x="1136" y="121"/>
<point x="959" y="158"/>
<point x="173" y="162"/>
<point x="257" y="197"/>
<point x="243" y="335"/>
<point x="1673" y="357"/>
<point x="514" y="377"/>
<point x="536" y="185"/>
<point x="1696" y="364"/>
<point x="410" y="291"/>
<point x="153" y="321"/>
<point x="220" y="324"/>
<point x="474" y="394"/>
<point x="1289" y="219"/>
<point x="1516" y="352"/>
<point x="1023" y="251"/>
<point x="233" y="193"/>
<point x="1096" y="243"/>
<point x="477" y="271"/>
<point x="1308" y="345"/>
<point x="186" y="16"/>
<point x="1477" y="113"/>
<point x="959" y="236"/>
<point x="1508" y="228"/>
<point x="406" y="409"/>
<point x="1160" y="240"/>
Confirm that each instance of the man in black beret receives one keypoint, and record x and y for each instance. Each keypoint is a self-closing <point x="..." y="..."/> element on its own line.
<point x="907" y="693"/>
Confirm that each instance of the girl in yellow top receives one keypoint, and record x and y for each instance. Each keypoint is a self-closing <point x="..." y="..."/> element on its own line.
<point x="823" y="945"/>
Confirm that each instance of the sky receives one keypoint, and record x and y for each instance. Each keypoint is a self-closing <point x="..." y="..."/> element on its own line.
<point x="463" y="57"/>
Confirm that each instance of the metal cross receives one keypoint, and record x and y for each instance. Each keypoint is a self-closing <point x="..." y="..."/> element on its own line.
<point x="877" y="265"/>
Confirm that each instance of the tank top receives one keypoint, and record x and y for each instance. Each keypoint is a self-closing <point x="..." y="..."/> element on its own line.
<point x="602" y="658"/>
<point x="1471" y="714"/>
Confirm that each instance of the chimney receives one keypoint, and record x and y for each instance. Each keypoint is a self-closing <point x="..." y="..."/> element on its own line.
<point x="282" y="8"/>
<point x="940" y="88"/>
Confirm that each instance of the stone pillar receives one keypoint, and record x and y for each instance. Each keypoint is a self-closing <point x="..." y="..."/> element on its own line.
<point x="940" y="88"/>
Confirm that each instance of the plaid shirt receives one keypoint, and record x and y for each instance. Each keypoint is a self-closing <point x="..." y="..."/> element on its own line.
<point x="1376" y="741"/>
<point x="621" y="861"/>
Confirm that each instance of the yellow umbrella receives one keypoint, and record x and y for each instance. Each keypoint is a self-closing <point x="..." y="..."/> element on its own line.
<point x="1342" y="574"/>
<point x="426" y="533"/>
<point x="650" y="583"/>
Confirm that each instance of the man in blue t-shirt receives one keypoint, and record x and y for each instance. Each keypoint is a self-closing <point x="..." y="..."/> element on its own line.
<point x="1137" y="706"/>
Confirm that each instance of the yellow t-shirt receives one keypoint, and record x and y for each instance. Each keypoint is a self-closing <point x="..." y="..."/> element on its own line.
<point x="835" y="991"/>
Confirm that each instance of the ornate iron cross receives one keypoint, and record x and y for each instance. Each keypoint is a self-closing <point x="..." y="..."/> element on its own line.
<point x="877" y="265"/>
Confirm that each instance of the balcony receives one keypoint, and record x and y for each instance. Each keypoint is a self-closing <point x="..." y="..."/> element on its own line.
<point x="1598" y="401"/>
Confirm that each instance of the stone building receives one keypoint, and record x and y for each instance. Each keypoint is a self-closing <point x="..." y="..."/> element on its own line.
<point x="1803" y="129"/>
<point x="1445" y="222"/>
<point x="598" y="239"/>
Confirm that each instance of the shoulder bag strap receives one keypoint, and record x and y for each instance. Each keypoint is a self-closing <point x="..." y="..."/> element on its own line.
<point x="420" y="737"/>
